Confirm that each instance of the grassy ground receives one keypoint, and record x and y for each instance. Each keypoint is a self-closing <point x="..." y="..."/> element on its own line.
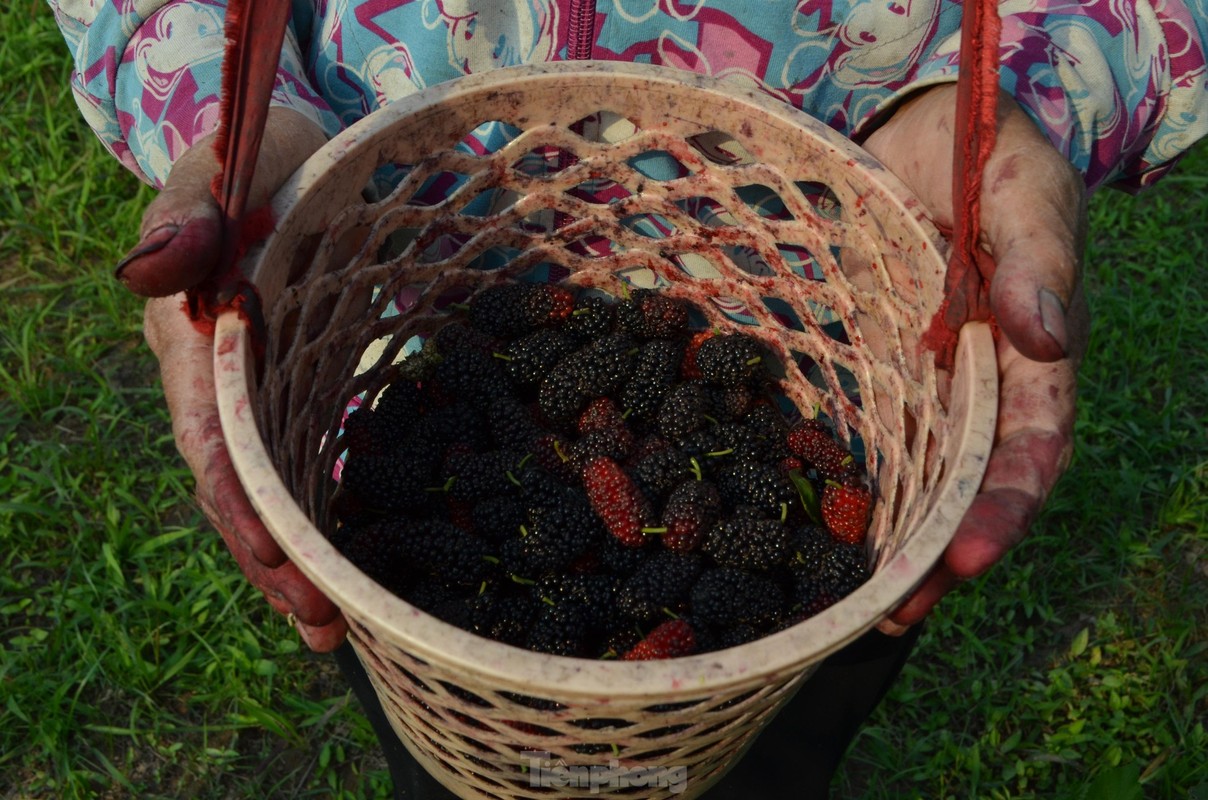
<point x="137" y="663"/>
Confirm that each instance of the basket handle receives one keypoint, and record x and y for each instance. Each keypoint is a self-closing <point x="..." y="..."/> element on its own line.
<point x="967" y="283"/>
<point x="255" y="31"/>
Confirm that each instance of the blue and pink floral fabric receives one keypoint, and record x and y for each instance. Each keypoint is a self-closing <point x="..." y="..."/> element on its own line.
<point x="1120" y="88"/>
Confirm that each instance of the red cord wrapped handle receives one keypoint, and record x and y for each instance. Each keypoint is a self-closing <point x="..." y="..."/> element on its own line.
<point x="255" y="30"/>
<point x="967" y="285"/>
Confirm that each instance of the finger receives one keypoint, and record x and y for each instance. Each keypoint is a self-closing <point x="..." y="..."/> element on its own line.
<point x="1033" y="211"/>
<point x="995" y="522"/>
<point x="186" y="369"/>
<point x="318" y="621"/>
<point x="307" y="603"/>
<point x="181" y="233"/>
<point x="889" y="627"/>
<point x="181" y="236"/>
<point x="938" y="583"/>
<point x="1033" y="216"/>
<point x="256" y="573"/>
<point x="1033" y="445"/>
<point x="231" y="505"/>
<point x="285" y="586"/>
<point x="323" y="638"/>
<point x="172" y="258"/>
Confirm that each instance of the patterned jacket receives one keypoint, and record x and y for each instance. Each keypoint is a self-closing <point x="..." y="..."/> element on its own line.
<point x="1120" y="88"/>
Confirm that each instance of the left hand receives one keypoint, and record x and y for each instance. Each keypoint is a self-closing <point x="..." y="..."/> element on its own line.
<point x="1034" y="222"/>
<point x="181" y="245"/>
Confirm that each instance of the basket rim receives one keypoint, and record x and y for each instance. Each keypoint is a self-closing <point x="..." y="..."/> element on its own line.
<point x="974" y="391"/>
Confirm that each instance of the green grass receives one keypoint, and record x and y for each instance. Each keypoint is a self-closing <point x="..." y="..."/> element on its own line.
<point x="136" y="660"/>
<point x="137" y="663"/>
<point x="1079" y="666"/>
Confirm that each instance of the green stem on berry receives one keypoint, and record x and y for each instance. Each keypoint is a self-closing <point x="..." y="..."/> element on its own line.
<point x="503" y="357"/>
<point x="654" y="530"/>
<point x="809" y="498"/>
<point x="460" y="306"/>
<point x="512" y="478"/>
<point x="709" y="419"/>
<point x="523" y="461"/>
<point x="445" y="488"/>
<point x="482" y="588"/>
<point x="522" y="581"/>
<point x="523" y="531"/>
<point x="753" y="361"/>
<point x="578" y="312"/>
<point x="558" y="450"/>
<point x="784" y="511"/>
<point x="720" y="453"/>
<point x="696" y="470"/>
<point x="490" y="559"/>
<point x="548" y="601"/>
<point x="670" y="613"/>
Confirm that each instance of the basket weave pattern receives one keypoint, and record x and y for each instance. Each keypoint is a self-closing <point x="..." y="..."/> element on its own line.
<point x="479" y="740"/>
<point x="767" y="221"/>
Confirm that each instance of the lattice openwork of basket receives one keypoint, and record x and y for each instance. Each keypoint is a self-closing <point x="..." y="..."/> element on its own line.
<point x="601" y="176"/>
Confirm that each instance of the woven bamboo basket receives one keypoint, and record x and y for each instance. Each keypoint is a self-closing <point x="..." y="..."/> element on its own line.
<point x="805" y="241"/>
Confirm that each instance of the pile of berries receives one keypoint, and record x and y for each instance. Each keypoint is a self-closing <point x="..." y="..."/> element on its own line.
<point x="593" y="478"/>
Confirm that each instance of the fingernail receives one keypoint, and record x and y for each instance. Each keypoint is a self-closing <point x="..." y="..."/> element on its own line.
<point x="153" y="242"/>
<point x="1052" y="317"/>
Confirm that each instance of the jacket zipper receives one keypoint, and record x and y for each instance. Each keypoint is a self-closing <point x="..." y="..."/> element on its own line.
<point x="582" y="29"/>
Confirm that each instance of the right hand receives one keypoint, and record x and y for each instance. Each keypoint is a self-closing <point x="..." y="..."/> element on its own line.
<point x="1034" y="223"/>
<point x="181" y="243"/>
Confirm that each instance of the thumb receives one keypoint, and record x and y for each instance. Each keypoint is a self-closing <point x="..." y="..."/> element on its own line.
<point x="180" y="239"/>
<point x="1034" y="217"/>
<point x="181" y="233"/>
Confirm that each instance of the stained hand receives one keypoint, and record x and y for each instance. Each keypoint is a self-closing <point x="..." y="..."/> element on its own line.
<point x="180" y="245"/>
<point x="1033" y="221"/>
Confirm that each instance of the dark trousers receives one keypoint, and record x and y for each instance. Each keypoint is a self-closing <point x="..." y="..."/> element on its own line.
<point x="794" y="758"/>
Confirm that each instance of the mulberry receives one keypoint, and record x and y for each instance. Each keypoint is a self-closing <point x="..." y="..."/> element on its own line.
<point x="528" y="360"/>
<point x="649" y="314"/>
<point x="592" y="317"/>
<point x="730" y="359"/>
<point x="747" y="543"/>
<point x="617" y="500"/>
<point x="693" y="507"/>
<point x="684" y="410"/>
<point x="726" y="597"/>
<point x="663" y="581"/>
<point x="758" y="484"/>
